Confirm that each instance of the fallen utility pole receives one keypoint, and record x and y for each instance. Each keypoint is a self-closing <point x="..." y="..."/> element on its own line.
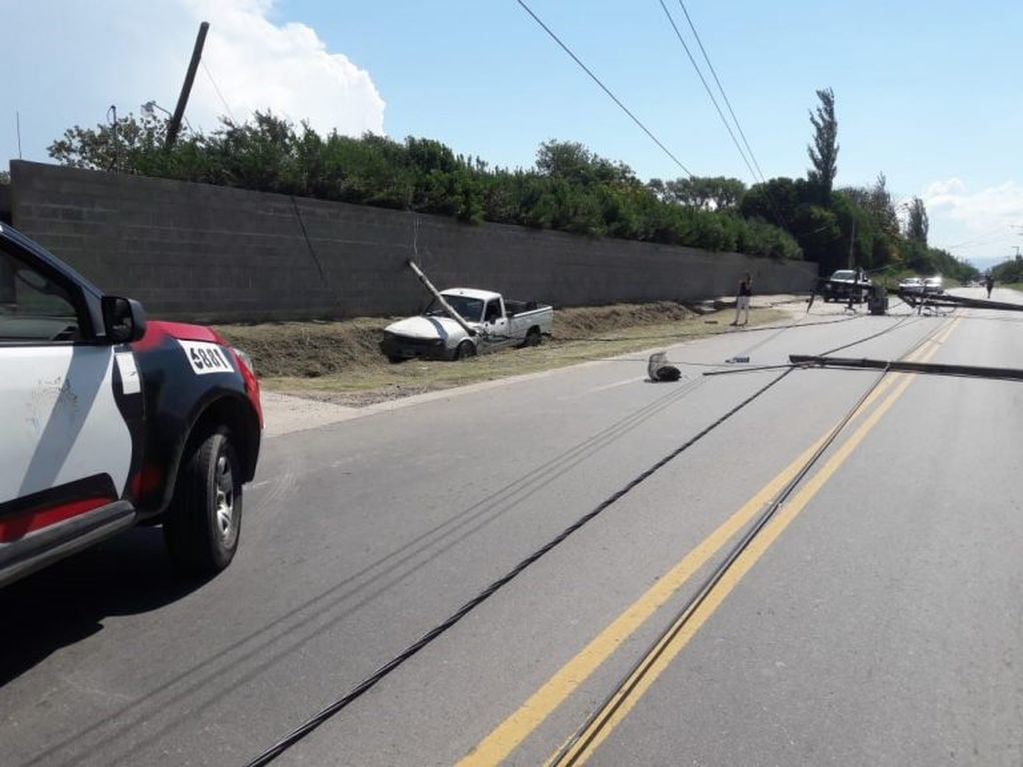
<point x="186" y="89"/>
<point x="950" y="301"/>
<point x="440" y="299"/>
<point x="901" y="366"/>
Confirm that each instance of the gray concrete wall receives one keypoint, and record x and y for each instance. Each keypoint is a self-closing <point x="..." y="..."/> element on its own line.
<point x="214" y="254"/>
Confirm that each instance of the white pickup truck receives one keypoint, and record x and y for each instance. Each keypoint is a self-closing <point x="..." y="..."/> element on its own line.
<point x="489" y="322"/>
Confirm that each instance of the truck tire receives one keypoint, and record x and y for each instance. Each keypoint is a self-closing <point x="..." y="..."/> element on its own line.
<point x="204" y="520"/>
<point x="533" y="337"/>
<point x="465" y="350"/>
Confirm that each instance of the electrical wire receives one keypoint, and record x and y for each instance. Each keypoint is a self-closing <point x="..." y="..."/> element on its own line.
<point x="721" y="88"/>
<point x="570" y="753"/>
<point x="213" y="82"/>
<point x="363" y="687"/>
<point x="606" y="90"/>
<point x="710" y="93"/>
<point x="757" y="174"/>
<point x="324" y="714"/>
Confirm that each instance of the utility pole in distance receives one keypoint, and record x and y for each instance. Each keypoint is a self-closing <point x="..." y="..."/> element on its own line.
<point x="186" y="89"/>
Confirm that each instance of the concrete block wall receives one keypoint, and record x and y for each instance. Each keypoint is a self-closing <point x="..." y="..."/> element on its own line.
<point x="207" y="253"/>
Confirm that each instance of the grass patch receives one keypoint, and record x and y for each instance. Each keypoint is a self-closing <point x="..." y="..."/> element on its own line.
<point x="340" y="361"/>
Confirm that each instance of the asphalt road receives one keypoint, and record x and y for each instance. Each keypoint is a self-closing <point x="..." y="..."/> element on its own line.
<point x="876" y="618"/>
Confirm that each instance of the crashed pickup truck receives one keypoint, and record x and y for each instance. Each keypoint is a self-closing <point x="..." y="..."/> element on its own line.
<point x="464" y="322"/>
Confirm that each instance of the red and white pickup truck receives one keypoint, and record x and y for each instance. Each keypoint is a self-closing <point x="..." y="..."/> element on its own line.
<point x="107" y="421"/>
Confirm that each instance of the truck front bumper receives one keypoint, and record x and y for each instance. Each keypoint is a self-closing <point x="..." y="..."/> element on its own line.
<point x="397" y="347"/>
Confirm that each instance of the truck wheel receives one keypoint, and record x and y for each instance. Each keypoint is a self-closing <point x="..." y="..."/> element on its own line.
<point x="533" y="337"/>
<point x="465" y="349"/>
<point x="394" y="359"/>
<point x="204" y="520"/>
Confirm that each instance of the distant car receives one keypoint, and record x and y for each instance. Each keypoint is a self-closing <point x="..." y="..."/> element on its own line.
<point x="912" y="285"/>
<point x="846" y="284"/>
<point x="933" y="285"/>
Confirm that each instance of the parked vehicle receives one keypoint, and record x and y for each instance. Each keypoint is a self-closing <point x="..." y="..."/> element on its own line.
<point x="111" y="421"/>
<point x="912" y="285"/>
<point x="845" y="284"/>
<point x="490" y="322"/>
<point x="933" y="286"/>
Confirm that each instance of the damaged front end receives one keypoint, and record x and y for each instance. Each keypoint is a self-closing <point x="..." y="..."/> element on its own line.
<point x="397" y="347"/>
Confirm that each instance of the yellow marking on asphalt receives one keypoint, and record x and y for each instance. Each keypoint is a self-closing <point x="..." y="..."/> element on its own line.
<point x="507" y="736"/>
<point x="499" y="743"/>
<point x="686" y="626"/>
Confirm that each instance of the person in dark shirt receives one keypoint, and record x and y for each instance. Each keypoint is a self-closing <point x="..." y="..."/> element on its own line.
<point x="989" y="282"/>
<point x="743" y="298"/>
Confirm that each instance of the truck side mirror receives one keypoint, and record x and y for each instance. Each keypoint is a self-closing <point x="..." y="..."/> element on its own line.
<point x="124" y="319"/>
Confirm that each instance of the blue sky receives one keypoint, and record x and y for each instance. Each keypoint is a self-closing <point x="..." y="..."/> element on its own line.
<point x="927" y="93"/>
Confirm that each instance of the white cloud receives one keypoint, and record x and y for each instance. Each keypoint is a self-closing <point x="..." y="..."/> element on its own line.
<point x="259" y="65"/>
<point x="984" y="223"/>
<point x="75" y="59"/>
<point x="981" y="210"/>
<point x="949" y="186"/>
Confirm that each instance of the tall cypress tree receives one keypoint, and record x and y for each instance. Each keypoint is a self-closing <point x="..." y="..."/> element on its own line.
<point x="824" y="149"/>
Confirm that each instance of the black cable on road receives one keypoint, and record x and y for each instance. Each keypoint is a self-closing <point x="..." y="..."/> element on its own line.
<point x="383" y="671"/>
<point x="744" y="369"/>
<point x="377" y="676"/>
<point x="603" y="713"/>
<point x="610" y="705"/>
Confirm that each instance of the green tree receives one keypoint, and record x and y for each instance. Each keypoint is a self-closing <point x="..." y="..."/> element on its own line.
<point x="918" y="223"/>
<point x="705" y="193"/>
<point x="574" y="162"/>
<point x="824" y="150"/>
<point x="118" y="146"/>
<point x="1009" y="271"/>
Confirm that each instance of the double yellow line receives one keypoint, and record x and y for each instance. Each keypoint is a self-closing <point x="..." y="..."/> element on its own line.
<point x="507" y="736"/>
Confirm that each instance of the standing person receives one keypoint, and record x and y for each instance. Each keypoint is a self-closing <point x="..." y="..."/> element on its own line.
<point x="743" y="297"/>
<point x="989" y="282"/>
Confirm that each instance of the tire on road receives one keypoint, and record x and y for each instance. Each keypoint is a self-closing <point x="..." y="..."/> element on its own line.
<point x="204" y="520"/>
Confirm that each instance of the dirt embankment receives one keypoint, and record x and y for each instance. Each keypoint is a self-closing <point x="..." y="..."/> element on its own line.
<point x="321" y="348"/>
<point x="341" y="360"/>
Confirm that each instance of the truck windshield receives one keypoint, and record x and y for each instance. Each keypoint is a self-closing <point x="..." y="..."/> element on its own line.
<point x="844" y="274"/>
<point x="470" y="309"/>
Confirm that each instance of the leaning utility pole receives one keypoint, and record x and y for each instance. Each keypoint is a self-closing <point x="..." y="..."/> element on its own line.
<point x="186" y="89"/>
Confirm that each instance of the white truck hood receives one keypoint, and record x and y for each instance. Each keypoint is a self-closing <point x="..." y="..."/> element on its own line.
<point x="428" y="328"/>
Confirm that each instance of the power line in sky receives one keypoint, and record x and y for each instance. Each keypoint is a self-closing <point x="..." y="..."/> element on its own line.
<point x="721" y="88"/>
<point x="756" y="174"/>
<point x="710" y="93"/>
<point x="213" y="82"/>
<point x="605" y="89"/>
